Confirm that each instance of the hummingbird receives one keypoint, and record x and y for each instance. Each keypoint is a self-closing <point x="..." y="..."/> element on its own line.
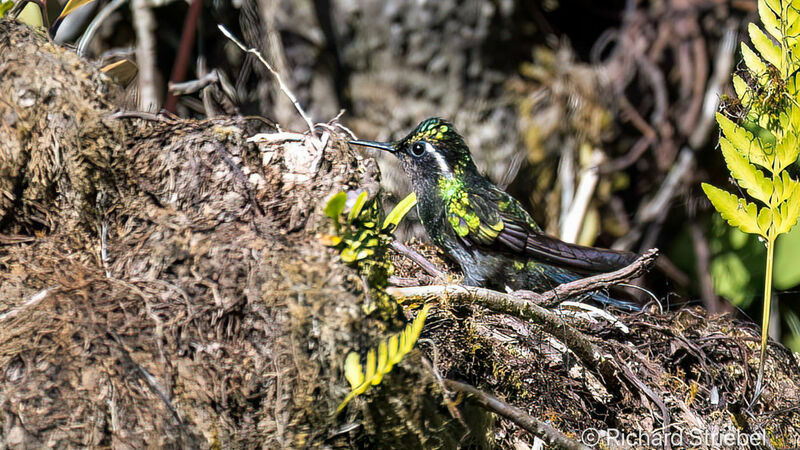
<point x="482" y="228"/>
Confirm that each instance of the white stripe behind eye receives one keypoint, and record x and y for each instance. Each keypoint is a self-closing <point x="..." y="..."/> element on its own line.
<point x="444" y="168"/>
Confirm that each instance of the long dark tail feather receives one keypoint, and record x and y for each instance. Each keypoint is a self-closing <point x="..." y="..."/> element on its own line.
<point x="575" y="257"/>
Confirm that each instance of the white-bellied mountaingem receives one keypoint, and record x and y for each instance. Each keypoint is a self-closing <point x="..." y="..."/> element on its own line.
<point x="484" y="229"/>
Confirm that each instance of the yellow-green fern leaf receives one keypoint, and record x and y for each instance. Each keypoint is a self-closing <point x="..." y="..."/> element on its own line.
<point x="769" y="51"/>
<point x="737" y="211"/>
<point x="785" y="188"/>
<point x="743" y="93"/>
<point x="390" y="352"/>
<point x="748" y="176"/>
<point x="754" y="63"/>
<point x="335" y="205"/>
<point x="786" y="151"/>
<point x="353" y="370"/>
<point x="794" y="27"/>
<point x="5" y="5"/>
<point x="768" y="12"/>
<point x="789" y="213"/>
<point x="400" y="211"/>
<point x="361" y="200"/>
<point x="764" y="221"/>
<point x="746" y="143"/>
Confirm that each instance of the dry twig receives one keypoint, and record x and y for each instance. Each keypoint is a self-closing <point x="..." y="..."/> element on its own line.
<point x="531" y="424"/>
<point x="546" y="299"/>
<point x="421" y="261"/>
<point x="281" y="84"/>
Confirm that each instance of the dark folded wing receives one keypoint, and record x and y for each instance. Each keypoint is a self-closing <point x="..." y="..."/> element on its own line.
<point x="497" y="221"/>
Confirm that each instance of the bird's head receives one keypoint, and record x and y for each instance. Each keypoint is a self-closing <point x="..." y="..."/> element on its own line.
<point x="434" y="150"/>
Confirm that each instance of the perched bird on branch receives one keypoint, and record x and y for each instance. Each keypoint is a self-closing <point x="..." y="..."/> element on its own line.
<point x="482" y="228"/>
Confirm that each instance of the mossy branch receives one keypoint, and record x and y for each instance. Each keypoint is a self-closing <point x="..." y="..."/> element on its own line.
<point x="586" y="351"/>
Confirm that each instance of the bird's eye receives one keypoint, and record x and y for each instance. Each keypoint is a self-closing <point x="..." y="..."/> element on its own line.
<point x="418" y="149"/>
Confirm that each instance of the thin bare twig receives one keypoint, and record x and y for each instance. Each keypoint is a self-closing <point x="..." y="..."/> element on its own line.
<point x="421" y="261"/>
<point x="543" y="430"/>
<point x="151" y="381"/>
<point x="9" y="239"/>
<point x="281" y="84"/>
<point x="181" y="64"/>
<point x="192" y="86"/>
<point x="583" y="286"/>
<point x="645" y="389"/>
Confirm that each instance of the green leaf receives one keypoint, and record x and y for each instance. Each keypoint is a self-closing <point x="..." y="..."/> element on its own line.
<point x="745" y="142"/>
<point x="348" y="255"/>
<point x="754" y="63"/>
<point x="5" y="5"/>
<point x="357" y="206"/>
<point x="769" y="51"/>
<point x="793" y="29"/>
<point x="390" y="352"/>
<point x="794" y="119"/>
<point x="400" y="211"/>
<point x="769" y="13"/>
<point x="335" y="206"/>
<point x="742" y="91"/>
<point x="785" y="187"/>
<point x="764" y="220"/>
<point x="748" y="176"/>
<point x="786" y="151"/>
<point x="353" y="370"/>
<point x="789" y="212"/>
<point x="737" y="211"/>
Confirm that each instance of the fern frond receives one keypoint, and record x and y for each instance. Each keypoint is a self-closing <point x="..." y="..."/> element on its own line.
<point x="361" y="200"/>
<point x="737" y="211"/>
<point x="755" y="64"/>
<point x="390" y="352"/>
<point x="767" y="136"/>
<point x="748" y="176"/>
<point x="769" y="13"/>
<point x="768" y="50"/>
<point x="786" y="151"/>
<point x="399" y="211"/>
<point x="789" y="212"/>
<point x="749" y="145"/>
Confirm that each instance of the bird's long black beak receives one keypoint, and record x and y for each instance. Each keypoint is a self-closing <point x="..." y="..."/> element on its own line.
<point x="385" y="146"/>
